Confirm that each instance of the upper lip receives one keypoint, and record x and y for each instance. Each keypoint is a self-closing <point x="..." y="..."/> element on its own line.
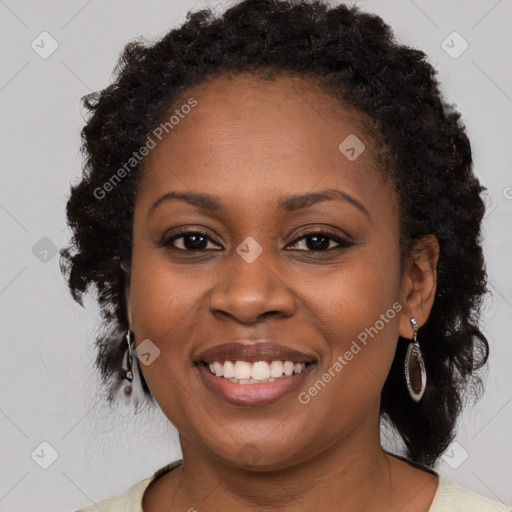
<point x="254" y="351"/>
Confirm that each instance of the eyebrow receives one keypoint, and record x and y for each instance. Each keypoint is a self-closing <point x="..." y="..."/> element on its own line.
<point x="289" y="203"/>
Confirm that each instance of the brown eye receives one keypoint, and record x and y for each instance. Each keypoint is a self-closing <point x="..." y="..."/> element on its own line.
<point x="189" y="241"/>
<point x="320" y="241"/>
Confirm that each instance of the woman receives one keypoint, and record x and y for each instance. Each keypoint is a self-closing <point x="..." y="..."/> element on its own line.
<point x="280" y="216"/>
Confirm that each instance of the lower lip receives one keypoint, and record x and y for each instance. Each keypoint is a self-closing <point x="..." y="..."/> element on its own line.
<point x="253" y="394"/>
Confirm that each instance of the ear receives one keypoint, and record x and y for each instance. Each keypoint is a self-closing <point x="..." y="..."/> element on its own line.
<point x="419" y="282"/>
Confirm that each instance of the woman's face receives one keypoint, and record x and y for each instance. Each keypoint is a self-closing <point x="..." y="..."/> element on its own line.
<point x="268" y="260"/>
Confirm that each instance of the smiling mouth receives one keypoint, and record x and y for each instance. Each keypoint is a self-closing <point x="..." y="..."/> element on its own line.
<point x="255" y="372"/>
<point x="248" y="391"/>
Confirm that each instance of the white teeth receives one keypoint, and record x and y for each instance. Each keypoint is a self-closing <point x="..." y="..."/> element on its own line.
<point x="244" y="372"/>
<point x="298" y="367"/>
<point x="260" y="370"/>
<point x="251" y="381"/>
<point x="288" y="368"/>
<point x="276" y="368"/>
<point x="229" y="370"/>
<point x="217" y="367"/>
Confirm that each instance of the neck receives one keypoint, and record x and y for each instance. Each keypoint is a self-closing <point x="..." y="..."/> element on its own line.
<point x="353" y="475"/>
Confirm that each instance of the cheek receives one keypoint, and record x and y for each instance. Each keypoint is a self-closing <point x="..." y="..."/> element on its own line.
<point x="352" y="297"/>
<point x="357" y="312"/>
<point x="164" y="310"/>
<point x="163" y="298"/>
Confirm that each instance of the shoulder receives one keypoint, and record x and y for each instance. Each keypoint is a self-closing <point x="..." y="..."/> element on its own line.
<point x="451" y="497"/>
<point x="128" y="501"/>
<point x="131" y="500"/>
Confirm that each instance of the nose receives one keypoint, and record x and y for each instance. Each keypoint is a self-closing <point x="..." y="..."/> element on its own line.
<point x="248" y="291"/>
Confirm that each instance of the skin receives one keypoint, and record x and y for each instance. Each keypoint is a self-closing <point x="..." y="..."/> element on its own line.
<point x="251" y="142"/>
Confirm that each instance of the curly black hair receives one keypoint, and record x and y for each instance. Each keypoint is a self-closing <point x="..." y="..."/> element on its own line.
<point x="422" y="148"/>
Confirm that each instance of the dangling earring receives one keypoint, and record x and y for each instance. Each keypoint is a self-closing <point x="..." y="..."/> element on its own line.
<point x="131" y="390"/>
<point x="415" y="374"/>
<point x="126" y="372"/>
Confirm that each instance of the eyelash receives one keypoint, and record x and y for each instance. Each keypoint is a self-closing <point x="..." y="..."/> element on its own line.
<point x="343" y="243"/>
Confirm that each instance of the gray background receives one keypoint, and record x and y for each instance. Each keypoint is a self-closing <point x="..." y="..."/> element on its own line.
<point x="48" y="390"/>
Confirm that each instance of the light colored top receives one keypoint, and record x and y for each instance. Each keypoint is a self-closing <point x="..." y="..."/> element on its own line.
<point x="449" y="497"/>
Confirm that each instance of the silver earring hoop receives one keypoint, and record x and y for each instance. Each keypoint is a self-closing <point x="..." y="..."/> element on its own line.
<point x="415" y="374"/>
<point x="129" y="388"/>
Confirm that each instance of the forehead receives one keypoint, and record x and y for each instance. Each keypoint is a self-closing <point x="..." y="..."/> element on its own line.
<point x="249" y="139"/>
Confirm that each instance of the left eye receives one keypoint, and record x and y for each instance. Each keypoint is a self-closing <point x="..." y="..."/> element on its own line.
<point x="320" y="241"/>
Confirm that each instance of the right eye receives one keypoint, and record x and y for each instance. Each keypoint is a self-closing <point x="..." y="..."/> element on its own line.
<point x="189" y="241"/>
